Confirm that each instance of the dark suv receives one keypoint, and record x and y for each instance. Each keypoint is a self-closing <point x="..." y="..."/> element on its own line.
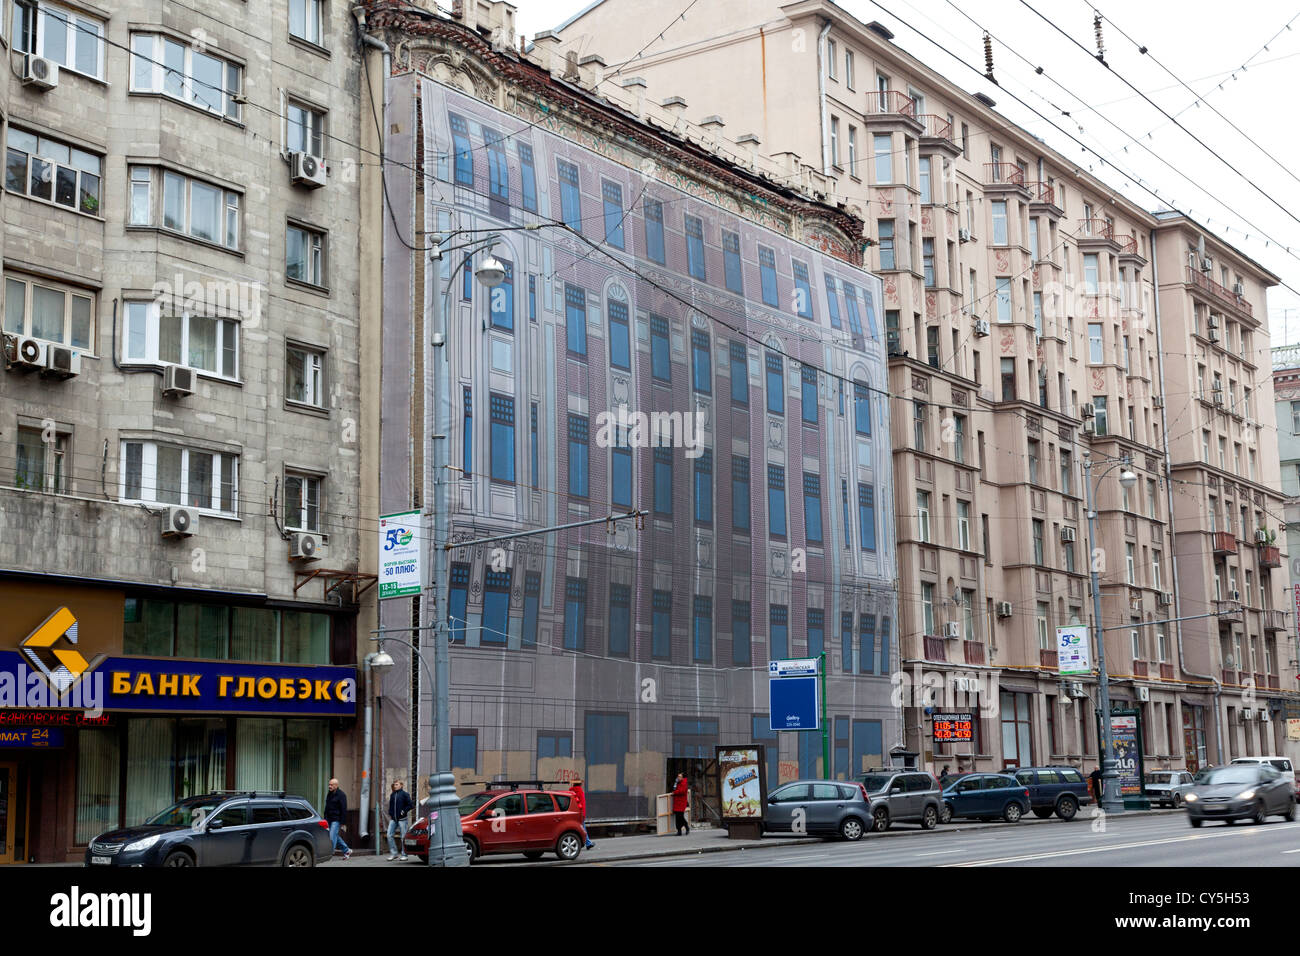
<point x="224" y="828"/>
<point x="902" y="796"/>
<point x="1059" y="790"/>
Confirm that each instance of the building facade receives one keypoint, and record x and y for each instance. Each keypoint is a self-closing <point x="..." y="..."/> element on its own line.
<point x="676" y="335"/>
<point x="1026" y="335"/>
<point x="178" y="410"/>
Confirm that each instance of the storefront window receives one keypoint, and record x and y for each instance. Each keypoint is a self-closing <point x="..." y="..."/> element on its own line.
<point x="307" y="760"/>
<point x="306" y="638"/>
<point x="150" y="774"/>
<point x="200" y="756"/>
<point x="259" y="754"/>
<point x="97" y="783"/>
<point x="147" y="628"/>
<point x="254" y="635"/>
<point x="201" y="631"/>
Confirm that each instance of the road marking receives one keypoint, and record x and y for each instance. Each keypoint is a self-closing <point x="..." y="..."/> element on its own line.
<point x="1285" y="852"/>
<point x="1117" y="846"/>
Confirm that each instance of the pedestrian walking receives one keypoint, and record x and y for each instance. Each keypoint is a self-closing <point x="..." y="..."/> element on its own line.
<point x="580" y="804"/>
<point x="943" y="773"/>
<point x="336" y="812"/>
<point x="1095" y="777"/>
<point x="680" y="801"/>
<point x="399" y="805"/>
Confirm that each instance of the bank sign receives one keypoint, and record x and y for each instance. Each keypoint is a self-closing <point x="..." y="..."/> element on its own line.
<point x="172" y="685"/>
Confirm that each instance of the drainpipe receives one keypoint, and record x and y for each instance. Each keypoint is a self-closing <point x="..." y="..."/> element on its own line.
<point x="364" y="808"/>
<point x="1169" y="504"/>
<point x="821" y="97"/>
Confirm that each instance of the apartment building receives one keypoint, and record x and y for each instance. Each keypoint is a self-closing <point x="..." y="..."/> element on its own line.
<point x="1026" y="336"/>
<point x="1286" y="391"/>
<point x="646" y="276"/>
<point x="179" y="470"/>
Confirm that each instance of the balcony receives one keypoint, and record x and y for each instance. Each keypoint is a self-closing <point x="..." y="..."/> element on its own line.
<point x="974" y="652"/>
<point x="892" y="106"/>
<point x="1270" y="556"/>
<point x="1096" y="229"/>
<point x="1048" y="657"/>
<point x="1261" y="680"/>
<point x="938" y="134"/>
<point x="1128" y="246"/>
<point x="1229" y="612"/>
<point x="1207" y="285"/>
<point x="1043" y="193"/>
<point x="1273" y="682"/>
<point x="1224" y="542"/>
<point x="1228" y="677"/>
<point x="935" y="649"/>
<point x="1166" y="671"/>
<point x="1274" y="620"/>
<point x="1139" y="668"/>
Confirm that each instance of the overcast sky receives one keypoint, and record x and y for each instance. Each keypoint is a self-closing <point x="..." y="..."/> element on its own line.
<point x="1204" y="45"/>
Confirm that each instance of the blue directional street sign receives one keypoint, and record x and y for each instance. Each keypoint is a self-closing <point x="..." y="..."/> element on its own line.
<point x="793" y="695"/>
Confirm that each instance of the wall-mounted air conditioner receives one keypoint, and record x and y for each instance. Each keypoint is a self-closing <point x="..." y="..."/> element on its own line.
<point x="178" y="380"/>
<point x="1004" y="609"/>
<point x="25" y="354"/>
<point x="951" y="629"/>
<point x="305" y="547"/>
<point x="1166" y="598"/>
<point x="1144" y="694"/>
<point x="1068" y="535"/>
<point x="40" y="73"/>
<point x="179" y="522"/>
<point x="62" y="362"/>
<point x="308" y="170"/>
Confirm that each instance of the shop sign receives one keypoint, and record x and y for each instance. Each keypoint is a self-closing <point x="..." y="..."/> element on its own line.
<point x="31" y="738"/>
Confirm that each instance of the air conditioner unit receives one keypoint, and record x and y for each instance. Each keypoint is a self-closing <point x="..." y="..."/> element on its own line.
<point x="1261" y="536"/>
<point x="1144" y="694"/>
<point x="40" y="73"/>
<point x="1068" y="535"/>
<point x="1207" y="264"/>
<point x="963" y="235"/>
<point x="305" y="547"/>
<point x="1157" y="401"/>
<point x="1218" y="397"/>
<point x="1265" y="716"/>
<point x="24" y="353"/>
<point x="1166" y="598"/>
<point x="1214" y="335"/>
<point x="179" y="522"/>
<point x="1212" y="322"/>
<point x="965" y="684"/>
<point x="178" y="380"/>
<point x="981" y="327"/>
<point x="1247" y="713"/>
<point x="1238" y="289"/>
<point x="1089" y="428"/>
<point x="308" y="170"/>
<point x="1236" y="596"/>
<point x="1004" y="609"/>
<point x="1087" y="411"/>
<point x="62" y="362"/>
<point x="951" y="629"/>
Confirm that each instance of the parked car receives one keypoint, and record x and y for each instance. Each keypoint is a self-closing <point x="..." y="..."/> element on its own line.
<point x="1283" y="764"/>
<point x="985" y="796"/>
<point x="523" y="820"/>
<point x="1251" y="791"/>
<point x="902" y="796"/>
<point x="220" y="829"/>
<point x="1166" y="788"/>
<point x="1059" y="790"/>
<point x="819" y="807"/>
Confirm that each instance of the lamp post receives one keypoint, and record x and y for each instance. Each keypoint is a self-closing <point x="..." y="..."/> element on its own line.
<point x="1110" y="800"/>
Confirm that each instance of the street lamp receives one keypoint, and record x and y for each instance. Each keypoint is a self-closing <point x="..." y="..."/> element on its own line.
<point x="1110" y="801"/>
<point x="375" y="661"/>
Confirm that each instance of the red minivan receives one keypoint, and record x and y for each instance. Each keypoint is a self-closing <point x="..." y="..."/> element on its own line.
<point x="523" y="820"/>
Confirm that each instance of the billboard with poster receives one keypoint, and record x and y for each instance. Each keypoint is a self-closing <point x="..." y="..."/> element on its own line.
<point x="742" y="782"/>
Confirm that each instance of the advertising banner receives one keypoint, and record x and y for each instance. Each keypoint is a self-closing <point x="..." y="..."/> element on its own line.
<point x="954" y="728"/>
<point x="741" y="782"/>
<point x="400" y="547"/>
<point x="1125" y="730"/>
<point x="1072" y="650"/>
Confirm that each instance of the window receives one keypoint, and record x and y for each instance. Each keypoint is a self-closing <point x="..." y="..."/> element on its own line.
<point x="527" y="178"/>
<point x="498" y="174"/>
<point x="1090" y="273"/>
<point x="882" y="147"/>
<point x="885" y="240"/>
<point x="304" y="367"/>
<point x="46" y="311"/>
<point x="702" y="629"/>
<point x="661" y="625"/>
<point x="731" y="262"/>
<point x="704" y="487"/>
<point x="1040" y="620"/>
<point x="891" y="335"/>
<point x="620" y="345"/>
<point x="767" y="277"/>
<point x="927" y="260"/>
<point x="575" y="614"/>
<point x="1067" y="473"/>
<point x="808" y="394"/>
<point x="578" y="451"/>
<point x="959" y="439"/>
<point x="654" y="230"/>
<point x="812" y="508"/>
<point x="502" y="415"/>
<point x="932" y="345"/>
<point x="1035" y="450"/>
<point x="553" y="745"/>
<point x="963" y="525"/>
<point x="802" y="290"/>
<point x="189" y="206"/>
<point x="866" y="643"/>
<point x="1038" y="314"/>
<point x="570" y="198"/>
<point x="200" y="342"/>
<point x="182" y="71"/>
<point x="305" y="256"/>
<point x="833" y="303"/>
<point x="1004" y="298"/>
<point x="924" y="181"/>
<point x="464" y="154"/>
<point x="501" y="300"/>
<point x="663" y="481"/>
<point x="496" y="607"/>
<point x="779" y="632"/>
<point x="532" y="601"/>
<point x="1007" y="369"/>
<point x="467" y="279"/>
<point x="532" y="298"/>
<point x="775" y="384"/>
<point x="304" y="129"/>
<point x="923" y="516"/>
<point x="739" y="373"/>
<point x="620" y="479"/>
<point x="846" y="643"/>
<point x="848" y="68"/>
<point x="853" y="151"/>
<point x="41" y="465"/>
<point x="305" y="17"/>
<point x="867" y="517"/>
<point x="1095" y="353"/>
<point x="919" y="426"/>
<point x="851" y="303"/>
<point x="660" y="366"/>
<point x="1000" y="223"/>
<point x="467" y="456"/>
<point x="575" y="318"/>
<point x="1099" y="405"/>
<point x="776" y="501"/>
<point x="740" y="494"/>
<point x="72" y="40"/>
<point x="1033" y="239"/>
<point x="862" y="410"/>
<point x="170" y="474"/>
<point x="47" y="169"/>
<point x="835" y="141"/>
<point x="1039" y="554"/>
<point x="620" y="619"/>
<point x="740" y="633"/>
<point x="701" y="371"/>
<point x="927" y="607"/>
<point x="612" y="197"/>
<point x="1156" y="581"/>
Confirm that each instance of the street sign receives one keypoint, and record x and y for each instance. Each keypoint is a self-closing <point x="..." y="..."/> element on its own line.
<point x="793" y="694"/>
<point x="400" y="544"/>
<point x="799" y="667"/>
<point x="954" y="728"/>
<point x="1072" y="655"/>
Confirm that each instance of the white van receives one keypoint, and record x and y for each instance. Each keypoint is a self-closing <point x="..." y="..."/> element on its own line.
<point x="1281" y="763"/>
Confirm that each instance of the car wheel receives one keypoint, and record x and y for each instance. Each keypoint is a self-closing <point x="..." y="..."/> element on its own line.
<point x="532" y="854"/>
<point x="1042" y="812"/>
<point x="1290" y="810"/>
<point x="1012" y="813"/>
<point x="568" y="846"/>
<point x="1178" y="801"/>
<point x="1197" y="821"/>
<point x="930" y="818"/>
<point x="299" y="855"/>
<point x="1261" y="814"/>
<point x="471" y="849"/>
<point x="851" y="829"/>
<point x="880" y="819"/>
<point x="1067" y="808"/>
<point x="178" y="858"/>
<point x="945" y="813"/>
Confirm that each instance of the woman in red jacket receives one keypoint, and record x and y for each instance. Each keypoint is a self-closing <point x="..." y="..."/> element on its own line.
<point x="679" y="803"/>
<point x="580" y="804"/>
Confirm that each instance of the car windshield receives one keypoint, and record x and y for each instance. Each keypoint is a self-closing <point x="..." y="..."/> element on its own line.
<point x="1159" y="776"/>
<point x="875" y="781"/>
<point x="475" y="800"/>
<point x="184" y="814"/>
<point x="1240" y="774"/>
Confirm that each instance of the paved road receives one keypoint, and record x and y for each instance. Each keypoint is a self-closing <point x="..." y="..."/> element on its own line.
<point x="1162" y="840"/>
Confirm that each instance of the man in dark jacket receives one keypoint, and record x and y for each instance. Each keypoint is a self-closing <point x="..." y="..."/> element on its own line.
<point x="399" y="805"/>
<point x="336" y="811"/>
<point x="1095" y="777"/>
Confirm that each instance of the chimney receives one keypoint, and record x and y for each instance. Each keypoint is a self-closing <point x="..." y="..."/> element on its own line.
<point x="546" y="52"/>
<point x="592" y="68"/>
<point x="750" y="143"/>
<point x="635" y="87"/>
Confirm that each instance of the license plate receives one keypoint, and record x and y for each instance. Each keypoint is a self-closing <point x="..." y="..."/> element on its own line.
<point x="101" y="860"/>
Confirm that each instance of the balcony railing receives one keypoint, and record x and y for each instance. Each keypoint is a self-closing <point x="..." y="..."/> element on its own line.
<point x="1042" y="192"/>
<point x="891" y="103"/>
<point x="1139" y="668"/>
<point x="1096" y="229"/>
<point x="974" y="652"/>
<point x="1128" y="245"/>
<point x="1273" y="682"/>
<point x="935" y="649"/>
<point x="936" y="127"/>
<point x="1261" y="680"/>
<point x="1166" y="671"/>
<point x="1048" y="657"/>
<point x="1229" y="677"/>
<point x="1274" y="620"/>
<point x="1224" y="542"/>
<point x="1003" y="173"/>
<point x="1199" y="279"/>
<point x="1270" y="556"/>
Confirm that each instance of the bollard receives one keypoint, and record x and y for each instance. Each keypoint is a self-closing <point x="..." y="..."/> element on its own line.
<point x="446" y="848"/>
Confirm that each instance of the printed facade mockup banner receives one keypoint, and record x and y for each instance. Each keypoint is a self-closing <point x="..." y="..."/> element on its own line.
<point x="741" y="784"/>
<point x="400" y="544"/>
